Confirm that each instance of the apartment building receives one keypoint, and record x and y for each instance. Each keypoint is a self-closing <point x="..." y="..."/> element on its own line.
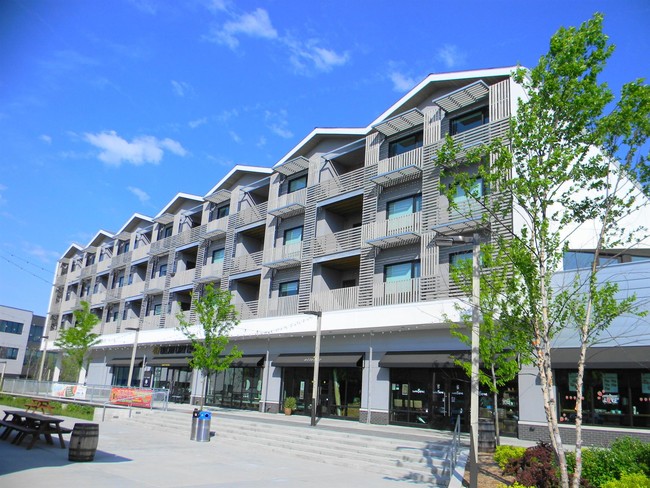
<point x="344" y="224"/>
<point x="20" y="340"/>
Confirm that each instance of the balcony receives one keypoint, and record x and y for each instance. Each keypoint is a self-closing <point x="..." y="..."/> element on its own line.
<point x="251" y="215"/>
<point x="246" y="310"/>
<point x="150" y="322"/>
<point x="130" y="322"/>
<point x="211" y="272"/>
<point x="181" y="278"/>
<point x="97" y="298"/>
<point x="345" y="240"/>
<point x="133" y="289"/>
<point x="247" y="262"/>
<point x="141" y="252"/>
<point x="121" y="260"/>
<point x="395" y="292"/>
<point x="339" y="185"/>
<point x="171" y="320"/>
<point x="88" y="271"/>
<point x="279" y="306"/>
<point x="114" y="294"/>
<point x="289" y="204"/>
<point x="156" y="284"/>
<point x="397" y="231"/>
<point x="188" y="236"/>
<point x="399" y="169"/>
<point x="104" y="264"/>
<point x="217" y="228"/>
<point x="338" y="299"/>
<point x="284" y="256"/>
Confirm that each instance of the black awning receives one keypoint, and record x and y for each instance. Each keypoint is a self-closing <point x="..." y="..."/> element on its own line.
<point x="352" y="360"/>
<point x="603" y="357"/>
<point x="124" y="362"/>
<point x="422" y="359"/>
<point x="170" y="361"/>
<point x="248" y="362"/>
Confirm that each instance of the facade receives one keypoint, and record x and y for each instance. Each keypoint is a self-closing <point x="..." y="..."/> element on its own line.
<point x="344" y="224"/>
<point x="20" y="340"/>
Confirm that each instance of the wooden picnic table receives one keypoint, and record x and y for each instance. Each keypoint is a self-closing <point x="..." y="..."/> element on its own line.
<point x="34" y="425"/>
<point x="38" y="404"/>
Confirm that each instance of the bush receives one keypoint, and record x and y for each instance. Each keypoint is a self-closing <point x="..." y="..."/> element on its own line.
<point x="536" y="467"/>
<point x="629" y="480"/>
<point x="504" y="454"/>
<point x="626" y="455"/>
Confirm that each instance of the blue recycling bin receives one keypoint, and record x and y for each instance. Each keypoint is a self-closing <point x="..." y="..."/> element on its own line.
<point x="203" y="426"/>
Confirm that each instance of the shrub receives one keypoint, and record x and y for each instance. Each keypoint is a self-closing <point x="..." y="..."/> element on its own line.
<point x="504" y="454"/>
<point x="626" y="455"/>
<point x="536" y="467"/>
<point x="629" y="480"/>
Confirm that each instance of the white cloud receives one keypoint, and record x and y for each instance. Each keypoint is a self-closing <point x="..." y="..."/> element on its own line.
<point x="261" y="141"/>
<point x="226" y="115"/>
<point x="142" y="195"/>
<point x="401" y="82"/>
<point x="218" y="5"/>
<point x="253" y="24"/>
<point x="45" y="138"/>
<point x="234" y="136"/>
<point x="451" y="55"/>
<point x="2" y="199"/>
<point x="278" y="124"/>
<point x="198" y="122"/>
<point x="181" y="88"/>
<point x="41" y="253"/>
<point x="305" y="55"/>
<point x="144" y="149"/>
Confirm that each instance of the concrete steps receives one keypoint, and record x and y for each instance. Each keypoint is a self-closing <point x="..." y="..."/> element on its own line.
<point x="412" y="455"/>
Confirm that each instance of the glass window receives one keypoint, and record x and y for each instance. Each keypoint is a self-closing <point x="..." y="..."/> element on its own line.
<point x="130" y="278"/>
<point x="115" y="315"/>
<point x="458" y="257"/>
<point x="288" y="288"/>
<point x="120" y="281"/>
<point x="162" y="271"/>
<point x="223" y="211"/>
<point x="95" y="288"/>
<point x="469" y="121"/>
<point x="8" y="352"/>
<point x="577" y="260"/>
<point x="475" y="191"/>
<point x="218" y="255"/>
<point x="157" y="309"/>
<point x="405" y="144"/>
<point x="297" y="183"/>
<point x="402" y="271"/>
<point x="404" y="206"/>
<point x="101" y="255"/>
<point x="90" y="259"/>
<point x="11" y="327"/>
<point x="293" y="236"/>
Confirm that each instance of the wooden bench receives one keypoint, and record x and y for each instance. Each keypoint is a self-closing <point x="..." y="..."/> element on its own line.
<point x="23" y="431"/>
<point x="36" y="404"/>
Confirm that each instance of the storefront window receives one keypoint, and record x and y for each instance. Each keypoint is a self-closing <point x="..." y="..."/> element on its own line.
<point x="236" y="388"/>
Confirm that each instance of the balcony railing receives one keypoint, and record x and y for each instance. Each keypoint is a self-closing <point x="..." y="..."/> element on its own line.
<point x="399" y="168"/>
<point x="251" y="214"/>
<point x="171" y="320"/>
<point x="130" y="322"/>
<point x="212" y="270"/>
<point x="338" y="299"/>
<point x="247" y="262"/>
<point x="246" y="310"/>
<point x="289" y="204"/>
<point x="141" y="252"/>
<point x="151" y="322"/>
<point x="345" y="240"/>
<point x="482" y="134"/>
<point x="395" y="231"/>
<point x="284" y="256"/>
<point x="157" y="283"/>
<point x="186" y="237"/>
<point x="395" y="292"/>
<point x="217" y="226"/>
<point x="121" y="260"/>
<point x="104" y="264"/>
<point x="133" y="289"/>
<point x="97" y="298"/>
<point x="340" y="184"/>
<point x="114" y="294"/>
<point x="183" y="277"/>
<point x="279" y="306"/>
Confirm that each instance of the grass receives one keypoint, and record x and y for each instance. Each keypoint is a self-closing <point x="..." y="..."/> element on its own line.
<point x="76" y="410"/>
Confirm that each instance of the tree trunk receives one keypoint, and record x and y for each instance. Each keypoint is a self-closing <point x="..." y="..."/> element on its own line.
<point x="495" y="393"/>
<point x="204" y="389"/>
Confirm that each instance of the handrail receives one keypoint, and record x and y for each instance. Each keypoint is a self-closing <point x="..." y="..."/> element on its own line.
<point x="454" y="448"/>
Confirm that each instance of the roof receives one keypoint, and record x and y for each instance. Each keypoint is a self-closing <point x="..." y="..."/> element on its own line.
<point x="135" y="217"/>
<point x="179" y="196"/>
<point x="229" y="179"/>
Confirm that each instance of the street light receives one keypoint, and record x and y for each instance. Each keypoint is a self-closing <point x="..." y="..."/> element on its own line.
<point x="315" y="388"/>
<point x="442" y="241"/>
<point x="40" y="369"/>
<point x="135" y="346"/>
<point x="2" y="376"/>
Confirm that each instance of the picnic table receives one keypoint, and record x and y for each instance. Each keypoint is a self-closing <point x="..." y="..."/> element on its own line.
<point x="34" y="425"/>
<point x="37" y="404"/>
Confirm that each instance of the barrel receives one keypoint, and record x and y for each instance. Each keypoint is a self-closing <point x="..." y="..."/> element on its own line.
<point x="83" y="442"/>
<point x="487" y="438"/>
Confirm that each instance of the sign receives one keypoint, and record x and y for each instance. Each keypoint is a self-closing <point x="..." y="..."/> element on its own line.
<point x="131" y="396"/>
<point x="62" y="390"/>
<point x="610" y="382"/>
<point x="573" y="379"/>
<point x="645" y="383"/>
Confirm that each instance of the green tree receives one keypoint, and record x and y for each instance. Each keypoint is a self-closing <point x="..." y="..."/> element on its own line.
<point x="574" y="158"/>
<point x="76" y="341"/>
<point x="216" y="317"/>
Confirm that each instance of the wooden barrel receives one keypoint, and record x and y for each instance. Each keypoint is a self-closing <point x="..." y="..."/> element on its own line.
<point x="487" y="439"/>
<point x="83" y="442"/>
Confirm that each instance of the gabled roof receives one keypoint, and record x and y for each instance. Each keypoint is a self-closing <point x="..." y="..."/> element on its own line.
<point x="100" y="237"/>
<point x="314" y="137"/>
<point x="133" y="219"/>
<point x="179" y="196"/>
<point x="72" y="251"/>
<point x="231" y="177"/>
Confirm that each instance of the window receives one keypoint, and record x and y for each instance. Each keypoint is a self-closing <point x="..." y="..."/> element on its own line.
<point x="120" y="281"/>
<point x="11" y="327"/>
<point x="126" y="247"/>
<point x="404" y="206"/>
<point x="577" y="260"/>
<point x="130" y="282"/>
<point x="125" y="314"/>
<point x="297" y="183"/>
<point x="476" y="191"/>
<point x="101" y="255"/>
<point x="218" y="255"/>
<point x="293" y="236"/>
<point x="289" y="288"/>
<point x="469" y="121"/>
<point x="162" y="271"/>
<point x="95" y="288"/>
<point x="157" y="309"/>
<point x="165" y="231"/>
<point x="458" y="257"/>
<point x="402" y="271"/>
<point x="8" y="352"/>
<point x="115" y="314"/>
<point x="405" y="144"/>
<point x="90" y="259"/>
<point x="219" y="212"/>
<point x="348" y="283"/>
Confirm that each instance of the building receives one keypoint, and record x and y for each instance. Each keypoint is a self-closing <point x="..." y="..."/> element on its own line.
<point x="20" y="340"/>
<point x="344" y="224"/>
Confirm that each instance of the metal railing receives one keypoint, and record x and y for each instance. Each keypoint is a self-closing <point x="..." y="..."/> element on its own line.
<point x="454" y="448"/>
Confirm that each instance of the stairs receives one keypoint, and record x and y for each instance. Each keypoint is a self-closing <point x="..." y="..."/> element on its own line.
<point x="400" y="454"/>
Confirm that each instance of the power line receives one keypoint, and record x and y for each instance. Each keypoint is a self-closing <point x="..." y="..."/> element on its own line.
<point x="27" y="261"/>
<point x="26" y="271"/>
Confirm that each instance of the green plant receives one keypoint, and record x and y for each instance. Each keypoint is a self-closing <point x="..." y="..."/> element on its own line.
<point x="626" y="455"/>
<point x="629" y="480"/>
<point x="75" y="410"/>
<point x="290" y="402"/>
<point x="504" y="454"/>
<point x="537" y="467"/>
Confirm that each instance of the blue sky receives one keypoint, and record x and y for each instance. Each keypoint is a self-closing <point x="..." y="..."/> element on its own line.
<point x="111" y="108"/>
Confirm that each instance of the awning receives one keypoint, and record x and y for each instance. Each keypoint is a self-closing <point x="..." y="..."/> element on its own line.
<point x="400" y="123"/>
<point x="603" y="357"/>
<point x="463" y="96"/>
<point x="124" y="362"/>
<point x="248" y="362"/>
<point x="421" y="359"/>
<point x="352" y="360"/>
<point x="170" y="361"/>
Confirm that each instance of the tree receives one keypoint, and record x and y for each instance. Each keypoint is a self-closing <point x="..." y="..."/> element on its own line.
<point x="573" y="159"/>
<point x="216" y="316"/>
<point x="76" y="341"/>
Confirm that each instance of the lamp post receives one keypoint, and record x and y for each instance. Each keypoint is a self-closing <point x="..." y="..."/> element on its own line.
<point x="2" y="376"/>
<point x="40" y="369"/>
<point x="474" y="377"/>
<point x="135" y="346"/>
<point x="315" y="388"/>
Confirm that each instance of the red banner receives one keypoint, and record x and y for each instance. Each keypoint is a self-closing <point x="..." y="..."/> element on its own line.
<point x="131" y="396"/>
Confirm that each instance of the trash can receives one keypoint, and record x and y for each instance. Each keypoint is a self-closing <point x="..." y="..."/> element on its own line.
<point x="195" y="419"/>
<point x="203" y="426"/>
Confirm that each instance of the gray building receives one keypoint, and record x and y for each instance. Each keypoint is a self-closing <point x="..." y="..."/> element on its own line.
<point x="20" y="340"/>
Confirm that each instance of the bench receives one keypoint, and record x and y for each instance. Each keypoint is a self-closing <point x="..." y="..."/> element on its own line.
<point x="42" y="405"/>
<point x="23" y="431"/>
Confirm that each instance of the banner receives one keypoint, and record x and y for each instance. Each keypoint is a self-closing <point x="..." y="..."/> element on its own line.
<point x="61" y="390"/>
<point x="131" y="396"/>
